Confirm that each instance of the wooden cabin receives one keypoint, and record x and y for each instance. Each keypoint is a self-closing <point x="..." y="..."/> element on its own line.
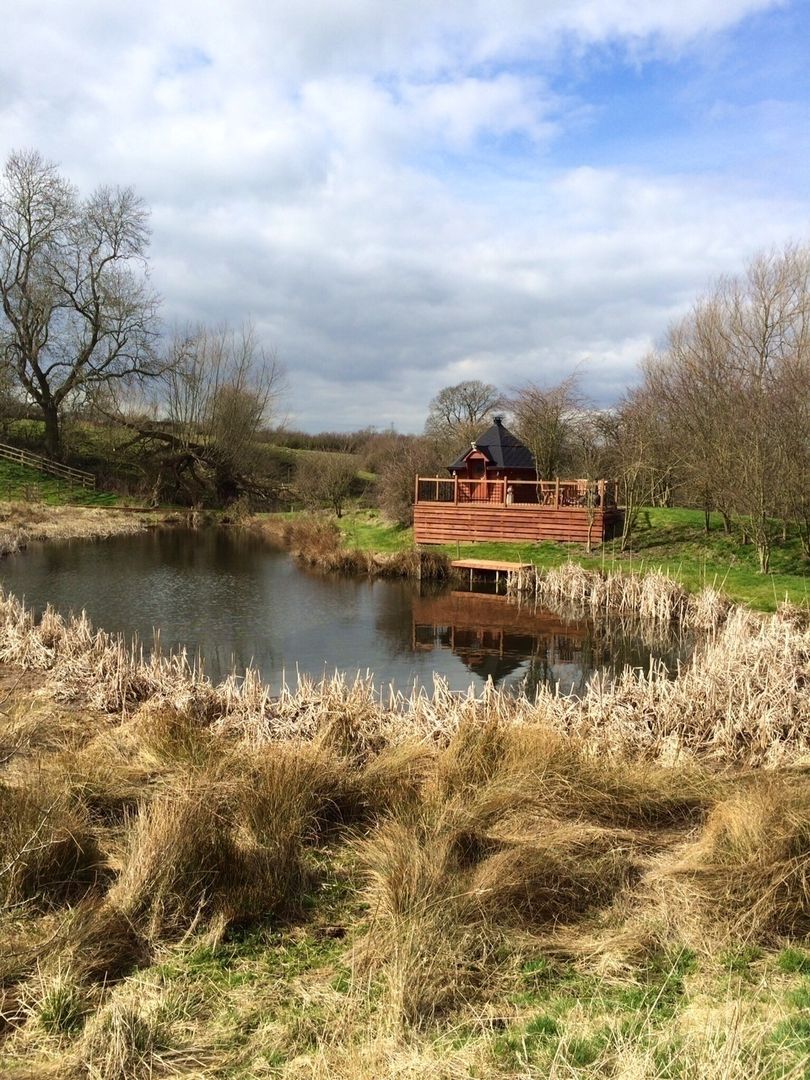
<point x="495" y="455"/>
<point x="494" y="493"/>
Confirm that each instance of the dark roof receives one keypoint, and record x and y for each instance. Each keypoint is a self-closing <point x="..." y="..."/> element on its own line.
<point x="503" y="449"/>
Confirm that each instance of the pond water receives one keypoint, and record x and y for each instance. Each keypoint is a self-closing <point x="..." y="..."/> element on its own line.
<point x="233" y="600"/>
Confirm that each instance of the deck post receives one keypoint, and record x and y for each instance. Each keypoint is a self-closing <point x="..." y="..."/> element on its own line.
<point x="601" y="494"/>
<point x="416" y="490"/>
<point x="455" y="489"/>
<point x="557" y="493"/>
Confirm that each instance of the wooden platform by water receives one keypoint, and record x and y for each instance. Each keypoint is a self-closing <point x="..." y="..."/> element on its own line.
<point x="488" y="564"/>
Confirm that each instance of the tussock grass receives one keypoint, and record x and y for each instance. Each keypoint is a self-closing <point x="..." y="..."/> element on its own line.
<point x="48" y="854"/>
<point x="211" y="880"/>
<point x="141" y="1032"/>
<point x="227" y="846"/>
<point x="747" y="874"/>
<point x="512" y="828"/>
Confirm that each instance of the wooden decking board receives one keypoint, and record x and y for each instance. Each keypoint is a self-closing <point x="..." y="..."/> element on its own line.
<point x="487" y="564"/>
<point x="436" y="523"/>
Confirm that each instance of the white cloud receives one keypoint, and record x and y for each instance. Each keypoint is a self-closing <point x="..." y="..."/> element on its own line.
<point x="326" y="169"/>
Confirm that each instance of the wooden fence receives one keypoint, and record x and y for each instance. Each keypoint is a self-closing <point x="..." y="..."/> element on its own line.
<point x="77" y="477"/>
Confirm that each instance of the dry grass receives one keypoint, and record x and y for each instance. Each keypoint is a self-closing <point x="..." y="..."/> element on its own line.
<point x="23" y="522"/>
<point x="48" y="854"/>
<point x="747" y="873"/>
<point x="651" y="597"/>
<point x="204" y="880"/>
<point x="742" y="699"/>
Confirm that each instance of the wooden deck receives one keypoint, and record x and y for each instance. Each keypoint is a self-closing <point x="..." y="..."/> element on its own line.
<point x="440" y="523"/>
<point x="519" y="511"/>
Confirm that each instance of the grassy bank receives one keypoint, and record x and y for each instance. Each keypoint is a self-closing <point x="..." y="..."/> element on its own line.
<point x="671" y="541"/>
<point x="20" y="484"/>
<point x="204" y="880"/>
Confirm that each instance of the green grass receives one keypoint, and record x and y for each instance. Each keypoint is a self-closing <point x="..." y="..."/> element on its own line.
<point x="18" y="482"/>
<point x="671" y="540"/>
<point x="369" y="531"/>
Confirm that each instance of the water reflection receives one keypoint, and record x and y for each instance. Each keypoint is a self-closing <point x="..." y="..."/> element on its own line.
<point x="229" y="598"/>
<point x="496" y="639"/>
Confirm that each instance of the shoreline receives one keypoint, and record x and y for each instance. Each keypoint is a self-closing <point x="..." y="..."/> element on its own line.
<point x="24" y="523"/>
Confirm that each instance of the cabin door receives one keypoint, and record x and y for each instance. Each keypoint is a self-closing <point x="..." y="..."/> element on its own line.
<point x="477" y="474"/>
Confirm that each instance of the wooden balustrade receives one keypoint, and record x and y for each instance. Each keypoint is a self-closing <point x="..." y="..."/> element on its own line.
<point x="552" y="494"/>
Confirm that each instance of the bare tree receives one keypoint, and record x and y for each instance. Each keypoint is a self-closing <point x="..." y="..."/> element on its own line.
<point x="734" y="383"/>
<point x="326" y="480"/>
<point x="545" y="419"/>
<point x="457" y="412"/>
<point x="77" y="308"/>
<point x="591" y="460"/>
<point x="408" y="459"/>
<point x="220" y="387"/>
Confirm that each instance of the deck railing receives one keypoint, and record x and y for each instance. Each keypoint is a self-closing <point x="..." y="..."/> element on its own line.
<point x="551" y="494"/>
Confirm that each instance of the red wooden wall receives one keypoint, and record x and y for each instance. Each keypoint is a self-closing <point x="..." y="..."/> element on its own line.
<point x="438" y="523"/>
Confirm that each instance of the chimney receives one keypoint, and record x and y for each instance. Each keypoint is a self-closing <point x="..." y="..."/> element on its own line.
<point x="498" y="418"/>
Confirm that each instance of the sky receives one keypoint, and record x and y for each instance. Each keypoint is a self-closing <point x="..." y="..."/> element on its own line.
<point x="401" y="194"/>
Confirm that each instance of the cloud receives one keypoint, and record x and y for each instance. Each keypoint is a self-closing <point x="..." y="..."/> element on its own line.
<point x="399" y="194"/>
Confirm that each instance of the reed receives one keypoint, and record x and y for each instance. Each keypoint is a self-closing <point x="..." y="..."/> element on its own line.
<point x="742" y="698"/>
<point x="24" y="522"/>
<point x="334" y="880"/>
<point x="317" y="542"/>
<point x="652" y="597"/>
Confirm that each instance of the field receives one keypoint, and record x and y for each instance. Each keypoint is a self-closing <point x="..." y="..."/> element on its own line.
<point x="202" y="881"/>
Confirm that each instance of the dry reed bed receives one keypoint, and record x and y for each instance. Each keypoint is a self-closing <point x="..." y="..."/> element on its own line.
<point x="651" y="597"/>
<point x="743" y="699"/>
<point x="317" y="542"/>
<point x="22" y="523"/>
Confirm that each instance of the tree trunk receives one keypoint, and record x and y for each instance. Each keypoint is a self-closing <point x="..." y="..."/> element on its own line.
<point x="53" y="432"/>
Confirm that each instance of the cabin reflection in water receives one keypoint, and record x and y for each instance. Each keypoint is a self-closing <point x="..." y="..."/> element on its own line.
<point x="495" y="638"/>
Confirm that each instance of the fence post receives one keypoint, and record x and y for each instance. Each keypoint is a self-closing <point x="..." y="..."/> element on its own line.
<point x="455" y="489"/>
<point x="557" y="493"/>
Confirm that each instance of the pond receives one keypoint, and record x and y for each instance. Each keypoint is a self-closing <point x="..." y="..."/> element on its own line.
<point x="233" y="600"/>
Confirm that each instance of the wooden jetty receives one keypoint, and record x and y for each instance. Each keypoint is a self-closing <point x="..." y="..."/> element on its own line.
<point x="488" y="566"/>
